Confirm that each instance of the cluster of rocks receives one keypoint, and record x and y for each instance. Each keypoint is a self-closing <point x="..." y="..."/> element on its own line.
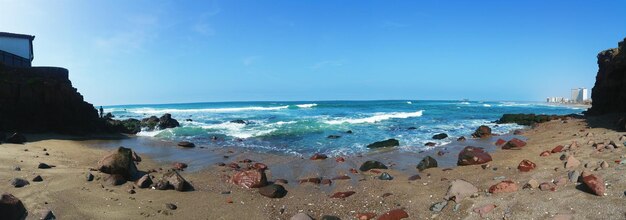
<point x="134" y="126"/>
<point x="531" y="119"/>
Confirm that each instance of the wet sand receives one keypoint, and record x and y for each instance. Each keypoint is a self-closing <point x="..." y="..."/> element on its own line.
<point x="66" y="192"/>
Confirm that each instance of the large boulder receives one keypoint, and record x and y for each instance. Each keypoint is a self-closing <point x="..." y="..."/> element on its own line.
<point x="372" y="164"/>
<point x="472" y="156"/>
<point x="385" y="143"/>
<point x="11" y="208"/>
<point x="173" y="180"/>
<point x="514" y="144"/>
<point x="166" y="121"/>
<point x="120" y="162"/>
<point x="254" y="178"/>
<point x="150" y="123"/>
<point x="595" y="183"/>
<point x="482" y="132"/>
<point x="440" y="136"/>
<point x="127" y="126"/>
<point x="16" y="138"/>
<point x="427" y="162"/>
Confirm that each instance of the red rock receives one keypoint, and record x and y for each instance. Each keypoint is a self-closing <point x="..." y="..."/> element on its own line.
<point x="365" y="216"/>
<point x="544" y="154"/>
<point x="318" y="156"/>
<point x="394" y="215"/>
<point x="326" y="182"/>
<point x="234" y="165"/>
<point x="500" y="142"/>
<point x="547" y="187"/>
<point x="557" y="149"/>
<point x="229" y="200"/>
<point x="595" y="183"/>
<point x="503" y="187"/>
<point x="472" y="156"/>
<point x="259" y="166"/>
<point x="342" y="195"/>
<point x="482" y="132"/>
<point x="514" y="144"/>
<point x="483" y="210"/>
<point x="526" y="165"/>
<point x="354" y="171"/>
<point x="179" y="165"/>
<point x="340" y="160"/>
<point x="314" y="180"/>
<point x="342" y="177"/>
<point x="250" y="178"/>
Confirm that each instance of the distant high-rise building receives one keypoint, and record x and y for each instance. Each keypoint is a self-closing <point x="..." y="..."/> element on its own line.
<point x="580" y="95"/>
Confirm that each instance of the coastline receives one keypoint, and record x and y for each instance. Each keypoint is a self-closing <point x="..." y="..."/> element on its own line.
<point x="66" y="192"/>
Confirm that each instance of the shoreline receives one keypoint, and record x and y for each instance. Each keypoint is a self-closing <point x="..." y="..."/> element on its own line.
<point x="70" y="196"/>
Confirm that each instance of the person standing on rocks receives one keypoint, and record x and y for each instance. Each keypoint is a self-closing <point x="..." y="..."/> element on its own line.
<point x="101" y="112"/>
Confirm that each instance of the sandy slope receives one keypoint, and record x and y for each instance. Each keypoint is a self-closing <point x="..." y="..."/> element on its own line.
<point x="66" y="192"/>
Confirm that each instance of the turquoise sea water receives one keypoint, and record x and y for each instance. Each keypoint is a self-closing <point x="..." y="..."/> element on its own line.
<point x="302" y="128"/>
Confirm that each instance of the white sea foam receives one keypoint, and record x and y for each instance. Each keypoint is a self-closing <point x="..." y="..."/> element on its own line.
<point x="307" y="105"/>
<point x="285" y="122"/>
<point x="486" y="105"/>
<point x="409" y="102"/>
<point x="464" y="103"/>
<point x="376" y="118"/>
<point x="217" y="110"/>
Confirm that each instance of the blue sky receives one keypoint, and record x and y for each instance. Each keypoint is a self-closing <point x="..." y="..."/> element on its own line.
<point x="133" y="52"/>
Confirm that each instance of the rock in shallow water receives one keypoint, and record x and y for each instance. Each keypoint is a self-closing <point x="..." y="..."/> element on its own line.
<point x="440" y="136"/>
<point x="372" y="164"/>
<point x="427" y="162"/>
<point x="482" y="132"/>
<point x="383" y="144"/>
<point x="186" y="144"/>
<point x="473" y="155"/>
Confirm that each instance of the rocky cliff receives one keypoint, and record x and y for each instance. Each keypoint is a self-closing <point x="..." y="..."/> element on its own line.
<point x="609" y="92"/>
<point x="42" y="99"/>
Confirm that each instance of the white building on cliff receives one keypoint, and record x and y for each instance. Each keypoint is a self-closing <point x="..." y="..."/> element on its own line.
<point x="16" y="50"/>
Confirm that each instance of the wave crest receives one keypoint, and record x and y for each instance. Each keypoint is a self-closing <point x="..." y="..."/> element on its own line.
<point x="377" y="118"/>
<point x="216" y="110"/>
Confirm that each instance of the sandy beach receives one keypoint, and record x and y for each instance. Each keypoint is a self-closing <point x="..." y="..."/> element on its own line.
<point x="66" y="192"/>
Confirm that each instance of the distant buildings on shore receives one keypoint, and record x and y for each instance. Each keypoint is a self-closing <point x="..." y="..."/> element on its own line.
<point x="578" y="96"/>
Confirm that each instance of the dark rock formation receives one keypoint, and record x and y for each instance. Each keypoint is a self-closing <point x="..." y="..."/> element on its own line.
<point x="386" y="143"/>
<point x="165" y="121"/>
<point x="440" y="136"/>
<point x="427" y="162"/>
<point x="12" y="208"/>
<point x="372" y="164"/>
<point x="42" y="99"/>
<point x="531" y="119"/>
<point x="186" y="144"/>
<point x="119" y="162"/>
<point x="128" y="126"/>
<point x="472" y="156"/>
<point x="482" y="131"/>
<point x="273" y="191"/>
<point x="173" y="180"/>
<point x="16" y="138"/>
<point x="609" y="92"/>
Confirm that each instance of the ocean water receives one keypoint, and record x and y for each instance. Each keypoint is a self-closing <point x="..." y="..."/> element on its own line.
<point x="302" y="128"/>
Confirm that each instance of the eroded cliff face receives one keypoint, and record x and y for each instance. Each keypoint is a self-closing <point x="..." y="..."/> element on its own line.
<point x="609" y="92"/>
<point x="42" y="99"/>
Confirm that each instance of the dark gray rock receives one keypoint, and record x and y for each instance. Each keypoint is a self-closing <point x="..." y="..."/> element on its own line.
<point x="273" y="191"/>
<point x="427" y="162"/>
<point x="372" y="164"/>
<point x="385" y="143"/>
<point x="19" y="182"/>
<point x="38" y="178"/>
<point x="440" y="136"/>
<point x="12" y="208"/>
<point x="385" y="176"/>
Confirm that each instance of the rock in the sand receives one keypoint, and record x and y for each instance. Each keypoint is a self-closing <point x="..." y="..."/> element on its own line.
<point x="500" y="142"/>
<point x="385" y="176"/>
<point x="341" y="195"/>
<point x="120" y="162"/>
<point x="395" y="214"/>
<point x="557" y="149"/>
<point x="273" y="191"/>
<point x="43" y="166"/>
<point x="46" y="214"/>
<point x="573" y="176"/>
<point x="115" y="179"/>
<point x="12" y="208"/>
<point x="17" y="168"/>
<point x="326" y="182"/>
<point x="503" y="187"/>
<point x="372" y="164"/>
<point x="301" y="216"/>
<point x="318" y="156"/>
<point x="595" y="183"/>
<point x="314" y="180"/>
<point x="179" y="165"/>
<point x="473" y="155"/>
<point x="437" y="207"/>
<point x="365" y="216"/>
<point x="571" y="162"/>
<point x="186" y="144"/>
<point x="514" y="144"/>
<point x="383" y="144"/>
<point x="462" y="138"/>
<point x="482" y="132"/>
<point x="440" y="136"/>
<point x="250" y="178"/>
<point x="19" y="182"/>
<point x="340" y="160"/>
<point x="518" y="132"/>
<point x="144" y="182"/>
<point x="532" y="184"/>
<point x="37" y="178"/>
<point x="604" y="165"/>
<point x="430" y="144"/>
<point x="526" y="166"/>
<point x="330" y="217"/>
<point x="173" y="180"/>
<point x="545" y="154"/>
<point x="427" y="162"/>
<point x="16" y="138"/>
<point x="460" y="189"/>
<point x="483" y="210"/>
<point x="89" y="176"/>
<point x="547" y="186"/>
<point x="171" y="206"/>
<point x="415" y="177"/>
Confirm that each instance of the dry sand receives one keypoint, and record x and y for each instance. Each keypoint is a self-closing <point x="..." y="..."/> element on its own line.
<point x="66" y="192"/>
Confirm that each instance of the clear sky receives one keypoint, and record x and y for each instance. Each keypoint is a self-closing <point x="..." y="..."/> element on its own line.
<point x="132" y="52"/>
